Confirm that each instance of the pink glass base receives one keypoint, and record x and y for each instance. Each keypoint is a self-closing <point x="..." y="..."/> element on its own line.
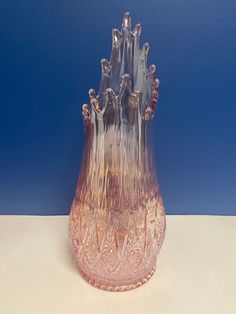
<point x="112" y="258"/>
<point x="116" y="288"/>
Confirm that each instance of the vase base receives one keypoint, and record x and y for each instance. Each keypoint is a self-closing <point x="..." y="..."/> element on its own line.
<point x="117" y="287"/>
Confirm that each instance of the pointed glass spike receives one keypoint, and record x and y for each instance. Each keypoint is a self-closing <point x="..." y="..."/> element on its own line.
<point x="126" y="21"/>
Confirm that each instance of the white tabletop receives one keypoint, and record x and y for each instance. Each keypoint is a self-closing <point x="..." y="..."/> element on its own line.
<point x="196" y="270"/>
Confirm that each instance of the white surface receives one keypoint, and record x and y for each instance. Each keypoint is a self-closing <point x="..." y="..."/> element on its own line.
<point x="196" y="271"/>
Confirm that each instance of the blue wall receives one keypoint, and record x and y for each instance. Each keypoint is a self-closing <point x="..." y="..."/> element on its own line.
<point x="50" y="55"/>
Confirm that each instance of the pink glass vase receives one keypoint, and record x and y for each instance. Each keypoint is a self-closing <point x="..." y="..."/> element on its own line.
<point x="117" y="219"/>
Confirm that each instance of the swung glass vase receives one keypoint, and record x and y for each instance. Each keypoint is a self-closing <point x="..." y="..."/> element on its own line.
<point x="117" y="219"/>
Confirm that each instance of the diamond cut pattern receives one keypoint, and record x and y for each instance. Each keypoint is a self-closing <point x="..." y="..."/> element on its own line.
<point x="112" y="251"/>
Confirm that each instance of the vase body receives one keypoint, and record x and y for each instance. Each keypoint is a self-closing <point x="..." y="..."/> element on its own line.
<point x="117" y="219"/>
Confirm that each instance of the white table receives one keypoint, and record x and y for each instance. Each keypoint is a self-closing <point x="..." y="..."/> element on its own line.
<point x="196" y="270"/>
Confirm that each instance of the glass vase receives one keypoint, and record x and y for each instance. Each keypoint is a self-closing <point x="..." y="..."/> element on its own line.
<point x="117" y="219"/>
